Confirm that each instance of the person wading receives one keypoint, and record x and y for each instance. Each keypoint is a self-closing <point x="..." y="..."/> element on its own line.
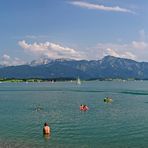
<point x="46" y="129"/>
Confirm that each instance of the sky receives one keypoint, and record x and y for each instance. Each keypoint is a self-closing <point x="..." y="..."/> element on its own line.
<point x="73" y="29"/>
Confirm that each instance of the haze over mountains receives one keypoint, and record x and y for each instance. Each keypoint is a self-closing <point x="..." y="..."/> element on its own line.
<point x="108" y="67"/>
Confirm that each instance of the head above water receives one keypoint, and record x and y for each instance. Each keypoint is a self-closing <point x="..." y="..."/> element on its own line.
<point x="45" y="124"/>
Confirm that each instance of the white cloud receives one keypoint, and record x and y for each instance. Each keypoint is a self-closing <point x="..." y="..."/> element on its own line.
<point x="112" y="52"/>
<point x="136" y="50"/>
<point x="100" y="7"/>
<point x="8" y="61"/>
<point x="140" y="45"/>
<point x="118" y="53"/>
<point x="5" y="57"/>
<point x="129" y="55"/>
<point x="116" y="50"/>
<point x="51" y="50"/>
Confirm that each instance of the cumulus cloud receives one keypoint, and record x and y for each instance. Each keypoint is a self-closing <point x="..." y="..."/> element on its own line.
<point x="51" y="50"/>
<point x="6" y="60"/>
<point x="112" y="52"/>
<point x="136" y="50"/>
<point x="116" y="50"/>
<point x="117" y="53"/>
<point x="100" y="7"/>
<point x="129" y="55"/>
<point x="6" y="57"/>
<point x="140" y="45"/>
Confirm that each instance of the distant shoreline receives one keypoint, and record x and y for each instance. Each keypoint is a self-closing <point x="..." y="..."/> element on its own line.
<point x="66" y="79"/>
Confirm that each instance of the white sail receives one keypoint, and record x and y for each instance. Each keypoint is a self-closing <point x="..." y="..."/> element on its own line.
<point x="78" y="81"/>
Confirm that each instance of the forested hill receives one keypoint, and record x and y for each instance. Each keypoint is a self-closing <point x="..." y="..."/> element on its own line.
<point x="108" y="67"/>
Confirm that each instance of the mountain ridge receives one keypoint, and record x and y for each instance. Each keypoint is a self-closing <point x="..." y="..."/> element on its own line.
<point x="108" y="67"/>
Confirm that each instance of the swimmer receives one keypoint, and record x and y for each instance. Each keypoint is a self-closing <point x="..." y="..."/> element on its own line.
<point x="108" y="100"/>
<point x="46" y="129"/>
<point x="81" y="107"/>
<point x="85" y="108"/>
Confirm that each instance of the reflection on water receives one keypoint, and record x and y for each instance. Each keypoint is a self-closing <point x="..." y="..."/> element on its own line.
<point x="122" y="123"/>
<point x="46" y="136"/>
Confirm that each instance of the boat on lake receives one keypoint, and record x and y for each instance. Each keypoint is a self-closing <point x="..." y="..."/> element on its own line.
<point x="78" y="81"/>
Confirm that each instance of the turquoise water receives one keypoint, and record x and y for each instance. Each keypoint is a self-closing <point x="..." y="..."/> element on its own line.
<point x="121" y="124"/>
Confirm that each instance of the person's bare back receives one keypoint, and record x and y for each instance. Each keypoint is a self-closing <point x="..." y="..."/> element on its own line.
<point x="46" y="129"/>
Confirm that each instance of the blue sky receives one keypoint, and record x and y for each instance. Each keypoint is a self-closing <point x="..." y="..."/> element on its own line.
<point x="77" y="29"/>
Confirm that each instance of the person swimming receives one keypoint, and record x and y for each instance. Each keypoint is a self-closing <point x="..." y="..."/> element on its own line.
<point x="46" y="129"/>
<point x="108" y="100"/>
<point x="83" y="107"/>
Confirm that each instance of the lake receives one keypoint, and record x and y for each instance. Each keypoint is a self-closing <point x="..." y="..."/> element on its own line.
<point x="24" y="107"/>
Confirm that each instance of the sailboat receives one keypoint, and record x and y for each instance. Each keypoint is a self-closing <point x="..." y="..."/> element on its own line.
<point x="78" y="81"/>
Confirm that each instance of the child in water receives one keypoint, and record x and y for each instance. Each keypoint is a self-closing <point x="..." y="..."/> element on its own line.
<point x="83" y="107"/>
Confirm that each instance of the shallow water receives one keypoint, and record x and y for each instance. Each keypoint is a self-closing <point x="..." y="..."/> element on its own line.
<point x="25" y="107"/>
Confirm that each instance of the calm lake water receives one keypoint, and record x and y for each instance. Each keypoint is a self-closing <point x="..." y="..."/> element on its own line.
<point x="121" y="124"/>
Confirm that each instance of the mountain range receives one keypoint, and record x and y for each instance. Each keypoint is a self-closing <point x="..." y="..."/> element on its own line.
<point x="108" y="67"/>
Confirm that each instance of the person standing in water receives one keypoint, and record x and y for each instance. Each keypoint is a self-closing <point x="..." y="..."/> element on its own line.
<point x="46" y="129"/>
<point x="81" y="107"/>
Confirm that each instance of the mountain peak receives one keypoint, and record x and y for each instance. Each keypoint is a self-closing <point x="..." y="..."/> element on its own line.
<point x="64" y="59"/>
<point x="108" y="67"/>
<point x="46" y="60"/>
<point x="109" y="57"/>
<point x="40" y="61"/>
